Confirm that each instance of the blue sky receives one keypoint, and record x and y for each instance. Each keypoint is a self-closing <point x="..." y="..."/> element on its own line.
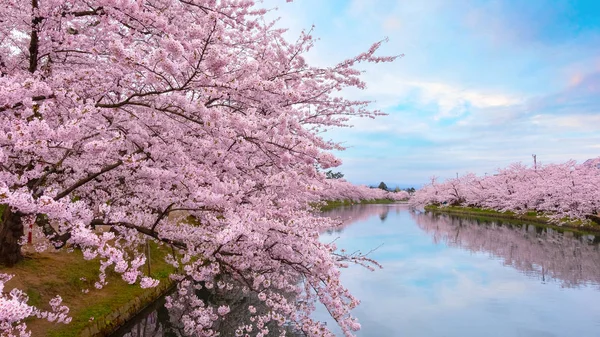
<point x="482" y="84"/>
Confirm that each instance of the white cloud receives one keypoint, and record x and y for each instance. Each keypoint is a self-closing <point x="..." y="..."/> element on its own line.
<point x="391" y="23"/>
<point x="576" y="122"/>
<point x="456" y="103"/>
<point x="452" y="99"/>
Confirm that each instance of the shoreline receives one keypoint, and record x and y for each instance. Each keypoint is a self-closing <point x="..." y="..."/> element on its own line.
<point x="111" y="323"/>
<point x="571" y="226"/>
<point x="94" y="312"/>
<point x="331" y="204"/>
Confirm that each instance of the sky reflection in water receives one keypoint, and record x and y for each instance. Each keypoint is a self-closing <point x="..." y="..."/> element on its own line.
<point x="445" y="276"/>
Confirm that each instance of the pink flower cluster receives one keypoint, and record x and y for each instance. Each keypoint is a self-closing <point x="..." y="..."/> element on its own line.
<point x="193" y="124"/>
<point x="555" y="190"/>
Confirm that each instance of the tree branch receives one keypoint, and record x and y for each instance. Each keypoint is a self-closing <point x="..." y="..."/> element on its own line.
<point x="34" y="40"/>
<point x="87" y="179"/>
<point x="161" y="216"/>
<point x="20" y="104"/>
<point x="146" y="231"/>
<point x="91" y="12"/>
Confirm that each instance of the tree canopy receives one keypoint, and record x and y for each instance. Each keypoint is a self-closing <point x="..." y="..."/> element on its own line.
<point x="141" y="115"/>
<point x="557" y="190"/>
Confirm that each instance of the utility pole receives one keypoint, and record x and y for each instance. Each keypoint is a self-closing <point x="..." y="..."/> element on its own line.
<point x="534" y="162"/>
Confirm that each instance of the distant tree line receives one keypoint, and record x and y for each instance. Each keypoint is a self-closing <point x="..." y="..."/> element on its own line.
<point x="333" y="175"/>
<point x="384" y="187"/>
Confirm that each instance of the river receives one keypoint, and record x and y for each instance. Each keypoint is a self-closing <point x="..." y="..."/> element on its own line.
<point x="449" y="276"/>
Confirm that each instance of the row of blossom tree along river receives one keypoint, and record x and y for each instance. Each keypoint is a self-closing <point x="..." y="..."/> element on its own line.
<point x="125" y="114"/>
<point x="558" y="191"/>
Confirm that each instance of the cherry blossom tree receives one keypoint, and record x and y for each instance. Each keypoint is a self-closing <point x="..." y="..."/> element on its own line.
<point x="556" y="190"/>
<point x="193" y="123"/>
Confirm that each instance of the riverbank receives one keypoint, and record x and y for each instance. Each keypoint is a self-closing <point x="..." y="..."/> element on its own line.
<point x="331" y="204"/>
<point x="95" y="312"/>
<point x="583" y="227"/>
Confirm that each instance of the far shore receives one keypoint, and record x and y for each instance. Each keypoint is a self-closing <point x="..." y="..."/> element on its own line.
<point x="582" y="227"/>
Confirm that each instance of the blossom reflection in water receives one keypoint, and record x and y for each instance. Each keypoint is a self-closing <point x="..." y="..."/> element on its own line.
<point x="471" y="277"/>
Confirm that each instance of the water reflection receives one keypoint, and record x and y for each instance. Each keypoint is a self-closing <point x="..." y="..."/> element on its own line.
<point x="447" y="276"/>
<point x="150" y="323"/>
<point x="360" y="212"/>
<point x="436" y="282"/>
<point x="164" y="317"/>
<point x="536" y="251"/>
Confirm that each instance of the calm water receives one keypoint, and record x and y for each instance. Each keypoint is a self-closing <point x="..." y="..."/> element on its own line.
<point x="457" y="277"/>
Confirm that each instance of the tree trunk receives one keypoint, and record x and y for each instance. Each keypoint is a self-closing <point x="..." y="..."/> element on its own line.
<point x="11" y="231"/>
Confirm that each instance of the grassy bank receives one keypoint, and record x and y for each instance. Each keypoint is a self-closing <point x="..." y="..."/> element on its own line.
<point x="331" y="204"/>
<point x="583" y="227"/>
<point x="45" y="275"/>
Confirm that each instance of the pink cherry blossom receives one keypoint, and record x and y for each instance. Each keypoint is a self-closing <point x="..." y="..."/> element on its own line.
<point x="555" y="190"/>
<point x="223" y="310"/>
<point x="193" y="124"/>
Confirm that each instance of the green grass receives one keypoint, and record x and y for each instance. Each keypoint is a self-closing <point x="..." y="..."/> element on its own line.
<point x="35" y="298"/>
<point x="118" y="295"/>
<point x="45" y="275"/>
